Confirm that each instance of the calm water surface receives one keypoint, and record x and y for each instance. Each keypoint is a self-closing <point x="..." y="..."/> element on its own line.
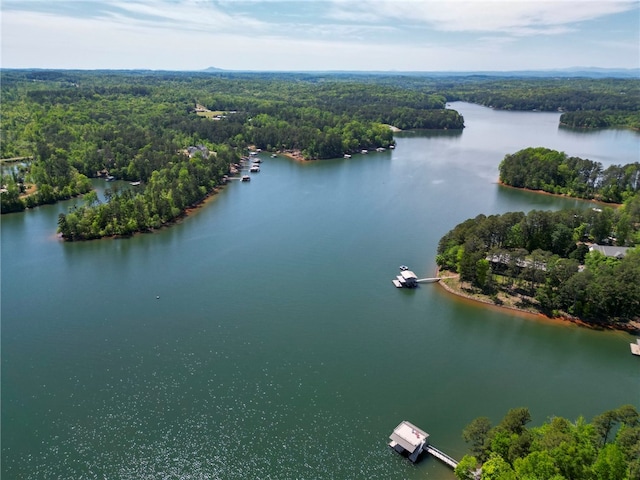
<point x="278" y="347"/>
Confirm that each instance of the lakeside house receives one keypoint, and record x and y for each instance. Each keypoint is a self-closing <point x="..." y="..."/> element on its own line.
<point x="193" y="150"/>
<point x="504" y="260"/>
<point x="609" y="251"/>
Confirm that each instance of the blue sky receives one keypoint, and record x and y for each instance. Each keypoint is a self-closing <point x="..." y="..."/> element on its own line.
<point x="403" y="35"/>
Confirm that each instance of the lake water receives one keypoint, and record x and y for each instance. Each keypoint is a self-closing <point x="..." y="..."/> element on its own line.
<point x="262" y="337"/>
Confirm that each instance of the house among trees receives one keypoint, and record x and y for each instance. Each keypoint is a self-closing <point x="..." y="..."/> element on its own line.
<point x="192" y="151"/>
<point x="608" y="251"/>
<point x="504" y="261"/>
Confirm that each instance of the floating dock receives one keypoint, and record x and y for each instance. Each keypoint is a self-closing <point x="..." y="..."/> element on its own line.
<point x="635" y="347"/>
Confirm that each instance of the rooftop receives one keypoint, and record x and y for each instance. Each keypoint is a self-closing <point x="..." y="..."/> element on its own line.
<point x="408" y="274"/>
<point x="617" y="252"/>
<point x="409" y="436"/>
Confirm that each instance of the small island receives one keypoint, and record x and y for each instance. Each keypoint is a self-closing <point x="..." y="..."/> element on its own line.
<point x="577" y="264"/>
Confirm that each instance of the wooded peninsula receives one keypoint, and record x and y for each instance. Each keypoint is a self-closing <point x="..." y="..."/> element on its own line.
<point x="577" y="263"/>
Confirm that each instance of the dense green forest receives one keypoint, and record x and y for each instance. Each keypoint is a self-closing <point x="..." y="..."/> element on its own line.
<point x="555" y="172"/>
<point x="601" y="119"/>
<point x="542" y="259"/>
<point x="168" y="192"/>
<point x="68" y="127"/>
<point x="585" y="102"/>
<point x="608" y="448"/>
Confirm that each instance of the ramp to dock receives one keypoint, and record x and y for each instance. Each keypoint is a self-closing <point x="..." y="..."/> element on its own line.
<point x="443" y="457"/>
<point x="428" y="280"/>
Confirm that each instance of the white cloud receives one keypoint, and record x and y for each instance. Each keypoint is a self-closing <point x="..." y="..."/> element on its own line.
<point x="517" y="17"/>
<point x="186" y="14"/>
<point x="108" y="44"/>
<point x="265" y="35"/>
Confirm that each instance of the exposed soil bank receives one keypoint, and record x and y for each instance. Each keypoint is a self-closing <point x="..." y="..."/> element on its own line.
<point x="453" y="286"/>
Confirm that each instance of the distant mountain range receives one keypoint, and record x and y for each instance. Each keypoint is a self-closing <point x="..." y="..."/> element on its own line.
<point x="591" y="72"/>
<point x="584" y="72"/>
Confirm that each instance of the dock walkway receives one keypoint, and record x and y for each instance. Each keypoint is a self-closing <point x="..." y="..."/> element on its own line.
<point x="428" y="280"/>
<point x="443" y="457"/>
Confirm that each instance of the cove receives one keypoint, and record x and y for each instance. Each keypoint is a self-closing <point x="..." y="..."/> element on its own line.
<point x="279" y="347"/>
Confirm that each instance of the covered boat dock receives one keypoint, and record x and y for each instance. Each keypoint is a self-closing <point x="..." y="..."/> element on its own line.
<point x="406" y="279"/>
<point x="412" y="441"/>
<point x="406" y="437"/>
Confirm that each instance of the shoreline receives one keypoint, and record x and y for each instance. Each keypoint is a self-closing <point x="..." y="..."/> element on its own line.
<point x="188" y="211"/>
<point x="295" y="155"/>
<point x="622" y="127"/>
<point x="531" y="314"/>
<point x="561" y="195"/>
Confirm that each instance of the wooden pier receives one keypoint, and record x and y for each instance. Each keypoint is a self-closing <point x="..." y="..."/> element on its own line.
<point x="443" y="457"/>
